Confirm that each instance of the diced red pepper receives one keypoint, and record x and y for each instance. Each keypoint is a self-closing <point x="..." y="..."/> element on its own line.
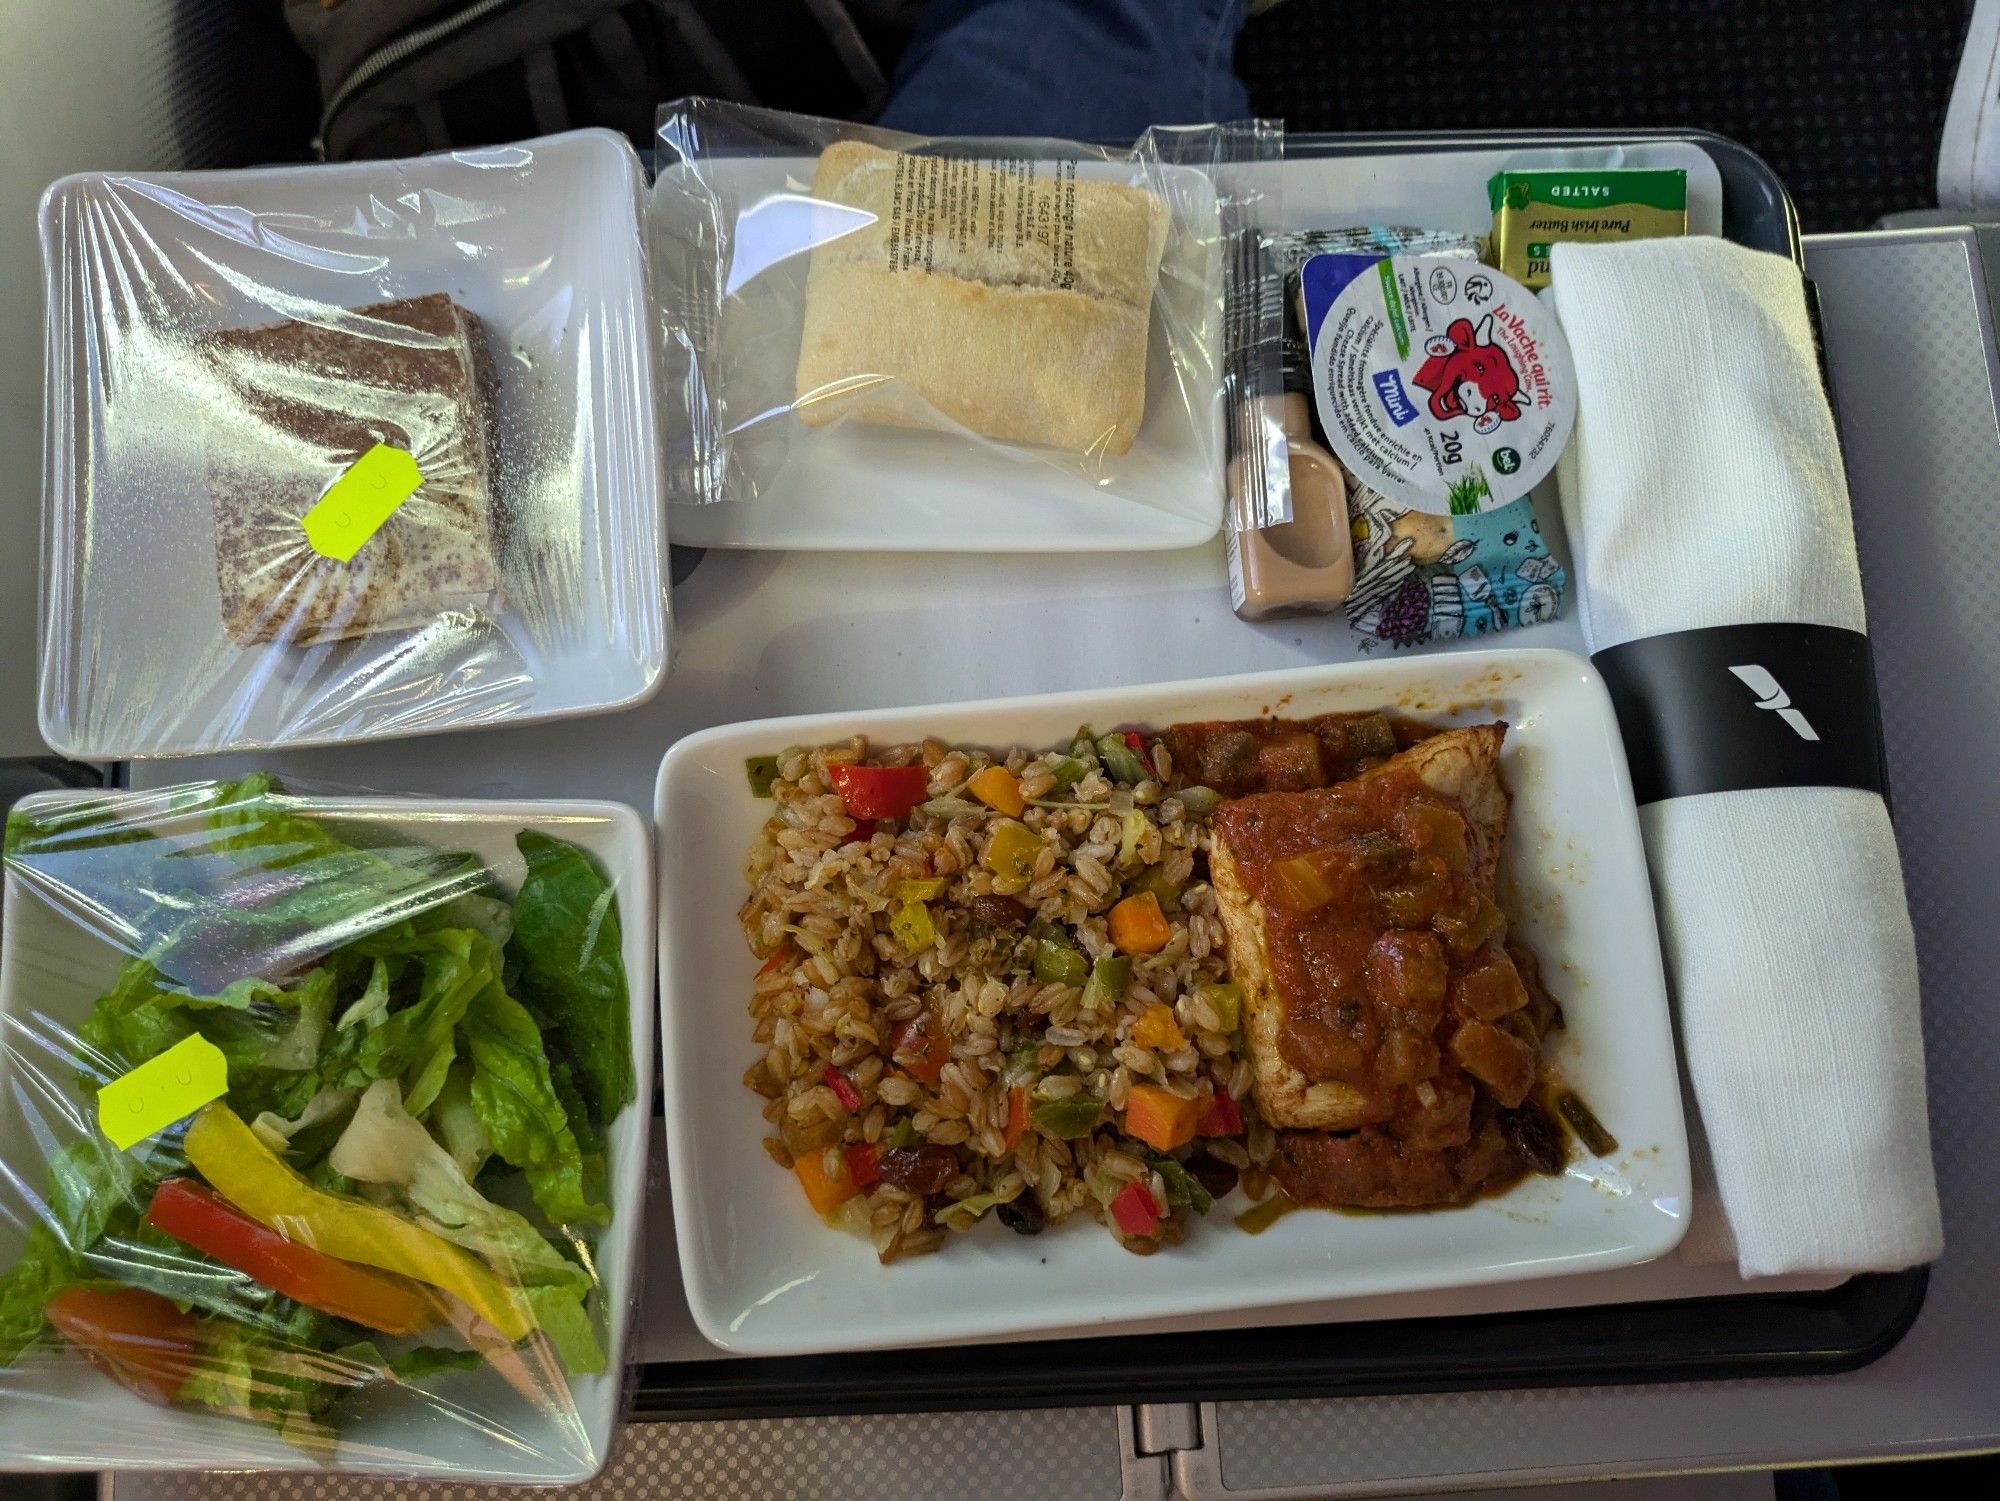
<point x="1220" y="1117"/>
<point x="864" y="830"/>
<point x="862" y="1170"/>
<point x="1138" y="743"/>
<point x="138" y="1338"/>
<point x="880" y="791"/>
<point x="919" y="1037"/>
<point x="775" y="962"/>
<point x="1135" y="1211"/>
<point x="843" y="1089"/>
<point x="200" y="1216"/>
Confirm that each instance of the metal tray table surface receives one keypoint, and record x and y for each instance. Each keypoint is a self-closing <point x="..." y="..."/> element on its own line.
<point x="1923" y="512"/>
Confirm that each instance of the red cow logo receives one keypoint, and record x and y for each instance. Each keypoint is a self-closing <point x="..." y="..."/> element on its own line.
<point x="1468" y="375"/>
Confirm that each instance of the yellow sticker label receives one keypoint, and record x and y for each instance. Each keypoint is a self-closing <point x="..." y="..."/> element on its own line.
<point x="354" y="508"/>
<point x="162" y="1090"/>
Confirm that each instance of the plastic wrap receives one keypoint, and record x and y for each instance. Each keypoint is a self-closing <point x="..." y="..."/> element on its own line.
<point x="322" y="1130"/>
<point x="841" y="301"/>
<point x="247" y="374"/>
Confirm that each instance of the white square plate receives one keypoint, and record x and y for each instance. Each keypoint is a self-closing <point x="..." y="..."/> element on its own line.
<point x="541" y="242"/>
<point x="58" y="1412"/>
<point x="765" y="1276"/>
<point x="862" y="487"/>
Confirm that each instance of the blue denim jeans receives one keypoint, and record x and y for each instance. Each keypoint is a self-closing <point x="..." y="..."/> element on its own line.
<point x="1089" y="70"/>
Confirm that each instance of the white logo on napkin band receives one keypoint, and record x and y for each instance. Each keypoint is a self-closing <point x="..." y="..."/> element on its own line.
<point x="1773" y="697"/>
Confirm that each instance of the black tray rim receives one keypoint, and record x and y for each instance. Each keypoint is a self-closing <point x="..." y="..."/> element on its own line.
<point x="1753" y="1335"/>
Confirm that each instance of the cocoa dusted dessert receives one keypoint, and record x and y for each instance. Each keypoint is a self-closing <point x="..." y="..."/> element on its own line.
<point x="295" y="404"/>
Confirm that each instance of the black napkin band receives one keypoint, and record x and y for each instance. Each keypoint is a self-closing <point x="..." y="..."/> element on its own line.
<point x="1740" y="706"/>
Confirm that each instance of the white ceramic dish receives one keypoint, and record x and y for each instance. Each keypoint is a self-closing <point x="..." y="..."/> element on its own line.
<point x="764" y="1276"/>
<point x="59" y="1413"/>
<point x="541" y="241"/>
<point x="862" y="488"/>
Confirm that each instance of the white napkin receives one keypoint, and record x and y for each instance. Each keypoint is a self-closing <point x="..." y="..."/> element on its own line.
<point x="1704" y="487"/>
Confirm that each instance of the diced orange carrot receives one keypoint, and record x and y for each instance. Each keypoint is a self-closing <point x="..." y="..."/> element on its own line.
<point x="1159" y="1117"/>
<point x="1138" y="926"/>
<point x="1156" y="1028"/>
<point x="999" y="789"/>
<point x="1017" y="1117"/>
<point x="918" y="1037"/>
<point x="826" y="1193"/>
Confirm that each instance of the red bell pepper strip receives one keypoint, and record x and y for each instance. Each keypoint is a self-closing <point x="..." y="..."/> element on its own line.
<point x="880" y="791"/>
<point x="192" y="1212"/>
<point x="1135" y="1211"/>
<point x="137" y="1338"/>
<point x="843" y="1089"/>
<point x="1220" y="1117"/>
<point x="862" y="1171"/>
<point x="1138" y="743"/>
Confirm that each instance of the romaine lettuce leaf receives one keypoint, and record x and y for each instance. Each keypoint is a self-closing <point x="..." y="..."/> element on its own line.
<point x="515" y="1099"/>
<point x="568" y="949"/>
<point x="44" y="1268"/>
<point x="562" y="1316"/>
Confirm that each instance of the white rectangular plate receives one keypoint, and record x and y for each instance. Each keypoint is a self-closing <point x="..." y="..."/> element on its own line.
<point x="541" y="241"/>
<point x="59" y="1413"/>
<point x="765" y="1276"/>
<point x="862" y="487"/>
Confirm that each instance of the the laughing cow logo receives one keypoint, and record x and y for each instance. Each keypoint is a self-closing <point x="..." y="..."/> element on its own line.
<point x="1468" y="375"/>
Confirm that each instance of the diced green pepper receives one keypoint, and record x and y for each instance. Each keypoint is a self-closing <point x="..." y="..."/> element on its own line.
<point x="1058" y="962"/>
<point x="903" y="1134"/>
<point x="950" y="807"/>
<point x="913" y="927"/>
<point x="1069" y="1119"/>
<point x="1199" y="801"/>
<point x="1226" y="996"/>
<point x="1154" y="879"/>
<point x="929" y="889"/>
<point x="762" y="772"/>
<point x="1021" y="1057"/>
<point x="1110" y="978"/>
<point x="1120" y="760"/>
<point x="1067" y="770"/>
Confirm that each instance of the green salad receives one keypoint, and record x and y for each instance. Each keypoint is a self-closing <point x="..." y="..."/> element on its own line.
<point x="407" y="1172"/>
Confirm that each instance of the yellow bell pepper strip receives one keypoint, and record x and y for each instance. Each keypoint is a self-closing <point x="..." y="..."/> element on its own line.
<point x="249" y="1175"/>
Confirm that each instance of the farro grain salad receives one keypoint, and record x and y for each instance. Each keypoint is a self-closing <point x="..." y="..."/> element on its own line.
<point x="995" y="984"/>
<point x="1011" y="984"/>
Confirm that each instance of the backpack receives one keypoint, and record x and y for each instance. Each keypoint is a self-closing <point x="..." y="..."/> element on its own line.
<point x="401" y="77"/>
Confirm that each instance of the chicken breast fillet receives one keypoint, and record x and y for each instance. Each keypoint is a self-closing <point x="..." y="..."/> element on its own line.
<point x="1463" y="765"/>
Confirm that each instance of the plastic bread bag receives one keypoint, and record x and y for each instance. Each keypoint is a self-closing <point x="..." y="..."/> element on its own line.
<point x="338" y="452"/>
<point x="841" y="302"/>
<point x="322" y="1130"/>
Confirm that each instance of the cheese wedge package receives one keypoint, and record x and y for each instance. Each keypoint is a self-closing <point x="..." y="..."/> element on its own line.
<point x="322" y="1130"/>
<point x="1020" y="303"/>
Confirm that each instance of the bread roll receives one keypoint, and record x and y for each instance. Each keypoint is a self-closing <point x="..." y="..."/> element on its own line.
<point x="1015" y="305"/>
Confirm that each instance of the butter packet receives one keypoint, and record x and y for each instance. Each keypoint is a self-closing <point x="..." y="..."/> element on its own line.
<point x="1534" y="210"/>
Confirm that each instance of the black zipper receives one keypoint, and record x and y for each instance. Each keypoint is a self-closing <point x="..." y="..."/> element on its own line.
<point x="398" y="50"/>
